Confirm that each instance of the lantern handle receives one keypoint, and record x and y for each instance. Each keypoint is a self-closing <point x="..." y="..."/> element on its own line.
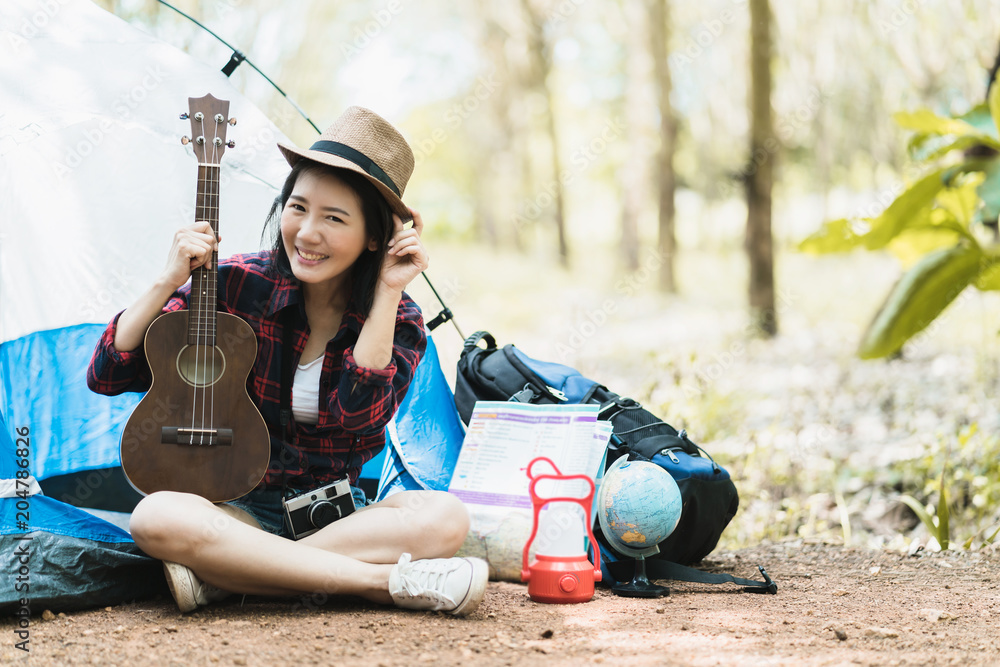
<point x="537" y="503"/>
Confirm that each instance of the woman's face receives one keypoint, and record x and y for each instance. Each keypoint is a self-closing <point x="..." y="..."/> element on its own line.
<point x="323" y="228"/>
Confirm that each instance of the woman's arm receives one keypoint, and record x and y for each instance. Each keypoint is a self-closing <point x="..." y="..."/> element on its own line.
<point x="405" y="259"/>
<point x="119" y="362"/>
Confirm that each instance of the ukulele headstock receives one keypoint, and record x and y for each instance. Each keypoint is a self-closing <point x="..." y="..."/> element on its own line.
<point x="209" y="118"/>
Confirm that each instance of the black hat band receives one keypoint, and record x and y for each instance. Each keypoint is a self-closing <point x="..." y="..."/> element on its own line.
<point x="358" y="158"/>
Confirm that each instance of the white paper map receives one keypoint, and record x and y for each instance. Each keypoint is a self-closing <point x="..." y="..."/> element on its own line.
<point x="491" y="472"/>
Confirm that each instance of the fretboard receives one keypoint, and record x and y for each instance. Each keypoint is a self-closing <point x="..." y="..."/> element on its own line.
<point x="205" y="282"/>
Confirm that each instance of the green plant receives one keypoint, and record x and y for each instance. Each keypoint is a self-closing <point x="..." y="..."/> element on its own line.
<point x="938" y="523"/>
<point x="943" y="227"/>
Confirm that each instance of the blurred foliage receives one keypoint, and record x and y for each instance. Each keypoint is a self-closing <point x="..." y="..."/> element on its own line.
<point x="944" y="224"/>
<point x="455" y="78"/>
<point x="953" y="488"/>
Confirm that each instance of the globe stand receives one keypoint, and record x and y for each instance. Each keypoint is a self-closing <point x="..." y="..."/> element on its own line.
<point x="640" y="586"/>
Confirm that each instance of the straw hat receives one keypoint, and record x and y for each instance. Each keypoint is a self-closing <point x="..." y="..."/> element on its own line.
<point x="364" y="142"/>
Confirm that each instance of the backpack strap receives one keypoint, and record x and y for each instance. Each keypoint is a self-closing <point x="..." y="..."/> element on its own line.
<point x="473" y="340"/>
<point x="657" y="568"/>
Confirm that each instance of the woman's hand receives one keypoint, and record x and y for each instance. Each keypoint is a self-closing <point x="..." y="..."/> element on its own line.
<point x="405" y="256"/>
<point x="192" y="247"/>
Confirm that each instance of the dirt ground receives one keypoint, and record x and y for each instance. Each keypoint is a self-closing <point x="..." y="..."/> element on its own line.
<point x="835" y="606"/>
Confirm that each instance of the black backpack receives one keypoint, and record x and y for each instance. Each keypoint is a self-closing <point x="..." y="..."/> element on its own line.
<point x="709" y="497"/>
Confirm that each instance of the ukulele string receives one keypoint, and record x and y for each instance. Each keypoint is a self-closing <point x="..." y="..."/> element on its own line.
<point x="214" y="201"/>
<point x="201" y="362"/>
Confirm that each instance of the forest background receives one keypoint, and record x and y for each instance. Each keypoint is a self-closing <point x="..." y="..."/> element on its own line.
<point x="622" y="186"/>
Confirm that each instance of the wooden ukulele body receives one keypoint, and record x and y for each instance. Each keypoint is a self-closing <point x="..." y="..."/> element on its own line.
<point x="197" y="430"/>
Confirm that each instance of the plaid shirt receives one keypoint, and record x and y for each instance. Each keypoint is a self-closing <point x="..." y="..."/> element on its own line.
<point x="355" y="403"/>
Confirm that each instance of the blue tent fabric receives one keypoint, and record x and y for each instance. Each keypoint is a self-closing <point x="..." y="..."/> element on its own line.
<point x="74" y="428"/>
<point x="67" y="559"/>
<point x="423" y="445"/>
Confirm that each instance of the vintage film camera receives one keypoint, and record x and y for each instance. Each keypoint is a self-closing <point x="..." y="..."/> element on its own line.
<point x="308" y="512"/>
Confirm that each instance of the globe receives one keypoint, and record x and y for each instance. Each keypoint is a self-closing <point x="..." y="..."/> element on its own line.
<point x="639" y="506"/>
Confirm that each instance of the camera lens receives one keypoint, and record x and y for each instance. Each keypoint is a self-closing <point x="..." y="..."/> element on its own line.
<point x="323" y="513"/>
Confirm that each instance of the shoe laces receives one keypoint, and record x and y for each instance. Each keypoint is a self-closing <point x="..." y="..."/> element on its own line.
<point x="426" y="578"/>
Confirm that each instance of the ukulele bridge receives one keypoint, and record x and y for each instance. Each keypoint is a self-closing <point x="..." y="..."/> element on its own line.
<point x="173" y="435"/>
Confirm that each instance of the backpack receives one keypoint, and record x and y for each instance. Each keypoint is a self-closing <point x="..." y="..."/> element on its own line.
<point x="709" y="497"/>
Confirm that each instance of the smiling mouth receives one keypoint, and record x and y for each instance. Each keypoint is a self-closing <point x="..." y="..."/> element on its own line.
<point x="310" y="257"/>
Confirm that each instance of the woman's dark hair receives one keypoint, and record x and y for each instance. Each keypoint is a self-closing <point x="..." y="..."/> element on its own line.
<point x="378" y="225"/>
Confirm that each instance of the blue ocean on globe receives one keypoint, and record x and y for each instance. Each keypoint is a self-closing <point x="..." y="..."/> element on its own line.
<point x="641" y="504"/>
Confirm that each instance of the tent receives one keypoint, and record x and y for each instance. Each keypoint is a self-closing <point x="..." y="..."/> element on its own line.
<point x="95" y="181"/>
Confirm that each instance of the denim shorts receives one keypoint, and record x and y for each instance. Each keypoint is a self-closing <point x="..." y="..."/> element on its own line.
<point x="265" y="506"/>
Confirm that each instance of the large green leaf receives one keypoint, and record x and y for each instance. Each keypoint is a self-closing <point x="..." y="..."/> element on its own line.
<point x="914" y="201"/>
<point x="979" y="118"/>
<point x="989" y="189"/>
<point x="989" y="276"/>
<point x="963" y="200"/>
<point x="915" y="242"/>
<point x="926" y="121"/>
<point x="919" y="297"/>
<point x="834" y="236"/>
<point x="994" y="102"/>
<point x="959" y="144"/>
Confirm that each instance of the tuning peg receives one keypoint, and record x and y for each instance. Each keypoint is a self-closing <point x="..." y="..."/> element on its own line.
<point x="231" y="143"/>
<point x="185" y="140"/>
<point x="232" y="121"/>
<point x="185" y="116"/>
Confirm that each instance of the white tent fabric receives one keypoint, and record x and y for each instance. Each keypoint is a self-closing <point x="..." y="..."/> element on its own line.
<point x="94" y="183"/>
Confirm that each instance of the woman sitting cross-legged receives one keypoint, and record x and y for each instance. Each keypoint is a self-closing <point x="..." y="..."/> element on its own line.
<point x="341" y="258"/>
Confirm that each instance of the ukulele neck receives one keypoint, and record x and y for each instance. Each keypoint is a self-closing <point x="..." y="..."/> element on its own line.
<point x="202" y="318"/>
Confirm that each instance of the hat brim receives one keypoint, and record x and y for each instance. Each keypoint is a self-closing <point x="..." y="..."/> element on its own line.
<point x="293" y="155"/>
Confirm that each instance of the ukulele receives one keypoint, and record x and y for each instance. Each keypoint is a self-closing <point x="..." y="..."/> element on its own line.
<point x="196" y="430"/>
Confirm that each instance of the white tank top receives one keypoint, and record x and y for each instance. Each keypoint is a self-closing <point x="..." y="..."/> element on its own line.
<point x="305" y="391"/>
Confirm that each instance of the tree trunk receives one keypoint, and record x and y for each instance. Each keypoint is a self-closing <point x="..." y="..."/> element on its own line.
<point x="666" y="183"/>
<point x="541" y="64"/>
<point x="760" y="169"/>
<point x="631" y="22"/>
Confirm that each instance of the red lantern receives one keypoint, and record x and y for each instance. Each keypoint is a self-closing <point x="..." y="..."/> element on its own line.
<point x="561" y="572"/>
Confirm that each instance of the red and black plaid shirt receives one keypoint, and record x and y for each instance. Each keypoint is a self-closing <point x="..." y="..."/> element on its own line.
<point x="355" y="403"/>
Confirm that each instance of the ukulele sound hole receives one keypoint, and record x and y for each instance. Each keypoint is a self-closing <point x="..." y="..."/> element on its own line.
<point x="201" y="365"/>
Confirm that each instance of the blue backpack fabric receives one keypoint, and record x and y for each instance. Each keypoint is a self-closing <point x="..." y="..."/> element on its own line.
<point x="709" y="497"/>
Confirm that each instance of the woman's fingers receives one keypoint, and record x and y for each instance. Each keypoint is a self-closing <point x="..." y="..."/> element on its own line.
<point x="418" y="221"/>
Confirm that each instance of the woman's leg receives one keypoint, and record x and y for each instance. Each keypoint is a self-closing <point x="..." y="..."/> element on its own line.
<point x="233" y="556"/>
<point x="426" y="524"/>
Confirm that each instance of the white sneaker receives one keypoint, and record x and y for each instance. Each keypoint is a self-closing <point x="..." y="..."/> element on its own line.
<point x="188" y="590"/>
<point x="454" y="585"/>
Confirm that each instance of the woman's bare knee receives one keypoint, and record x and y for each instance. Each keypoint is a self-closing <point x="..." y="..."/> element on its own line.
<point x="165" y="524"/>
<point x="444" y="518"/>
